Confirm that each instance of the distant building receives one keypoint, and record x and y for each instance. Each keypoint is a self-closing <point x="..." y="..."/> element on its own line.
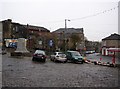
<point x="37" y="37"/>
<point x="12" y="31"/>
<point x="112" y="41"/>
<point x="92" y="46"/>
<point x="64" y="37"/>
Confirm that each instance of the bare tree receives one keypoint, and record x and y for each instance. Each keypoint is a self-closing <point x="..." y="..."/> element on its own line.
<point x="75" y="39"/>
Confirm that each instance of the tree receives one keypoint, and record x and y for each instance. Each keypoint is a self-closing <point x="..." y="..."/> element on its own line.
<point x="75" y="39"/>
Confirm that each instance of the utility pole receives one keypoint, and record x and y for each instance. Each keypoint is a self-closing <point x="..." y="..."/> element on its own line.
<point x="64" y="32"/>
<point x="66" y="23"/>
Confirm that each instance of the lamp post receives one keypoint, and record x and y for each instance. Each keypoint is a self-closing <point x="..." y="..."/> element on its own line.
<point x="66" y="23"/>
<point x="64" y="32"/>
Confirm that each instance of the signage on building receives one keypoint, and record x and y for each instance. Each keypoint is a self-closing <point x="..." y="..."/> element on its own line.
<point x="11" y="42"/>
<point x="40" y="42"/>
<point x="50" y="42"/>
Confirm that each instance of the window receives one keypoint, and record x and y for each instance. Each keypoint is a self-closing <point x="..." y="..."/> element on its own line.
<point x="16" y="29"/>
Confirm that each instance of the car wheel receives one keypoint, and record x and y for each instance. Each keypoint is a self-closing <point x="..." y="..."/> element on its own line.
<point x="51" y="59"/>
<point x="65" y="61"/>
<point x="44" y="60"/>
<point x="33" y="59"/>
<point x="54" y="60"/>
<point x="82" y="62"/>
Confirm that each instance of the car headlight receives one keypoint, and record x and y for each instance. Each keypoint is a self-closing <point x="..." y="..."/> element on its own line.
<point x="75" y="58"/>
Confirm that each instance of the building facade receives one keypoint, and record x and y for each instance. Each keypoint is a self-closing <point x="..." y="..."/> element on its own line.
<point x="70" y="38"/>
<point x="34" y="35"/>
<point x="112" y="41"/>
<point x="93" y="46"/>
<point x="37" y="37"/>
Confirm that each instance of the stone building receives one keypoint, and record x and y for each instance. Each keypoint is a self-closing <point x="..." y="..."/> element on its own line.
<point x="94" y="46"/>
<point x="67" y="38"/>
<point x="37" y="37"/>
<point x="11" y="31"/>
<point x="112" y="41"/>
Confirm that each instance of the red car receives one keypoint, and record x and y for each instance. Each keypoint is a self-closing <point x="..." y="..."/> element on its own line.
<point x="39" y="55"/>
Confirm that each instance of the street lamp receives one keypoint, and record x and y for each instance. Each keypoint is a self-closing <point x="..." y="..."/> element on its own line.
<point x="66" y="23"/>
<point x="64" y="32"/>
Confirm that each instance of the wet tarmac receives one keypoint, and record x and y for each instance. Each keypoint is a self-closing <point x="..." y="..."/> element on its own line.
<point x="22" y="72"/>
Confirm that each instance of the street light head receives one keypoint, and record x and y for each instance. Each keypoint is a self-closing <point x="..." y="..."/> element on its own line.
<point x="68" y="20"/>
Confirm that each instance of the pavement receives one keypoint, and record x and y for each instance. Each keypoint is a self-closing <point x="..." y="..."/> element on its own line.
<point x="96" y="57"/>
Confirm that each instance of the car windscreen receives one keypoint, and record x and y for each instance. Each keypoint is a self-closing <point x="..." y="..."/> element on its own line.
<point x="75" y="54"/>
<point x="60" y="53"/>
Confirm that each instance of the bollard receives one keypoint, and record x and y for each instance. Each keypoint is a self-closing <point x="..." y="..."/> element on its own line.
<point x="85" y="59"/>
<point x="113" y="60"/>
<point x="100" y="59"/>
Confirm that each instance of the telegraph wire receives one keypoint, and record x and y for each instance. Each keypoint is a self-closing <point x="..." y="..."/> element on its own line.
<point x="85" y="17"/>
<point x="105" y="11"/>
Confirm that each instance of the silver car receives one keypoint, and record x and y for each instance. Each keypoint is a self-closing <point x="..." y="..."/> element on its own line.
<point x="58" y="57"/>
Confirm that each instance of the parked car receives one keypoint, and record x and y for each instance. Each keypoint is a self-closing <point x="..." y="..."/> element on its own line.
<point x="3" y="51"/>
<point x="39" y="55"/>
<point x="90" y="52"/>
<point x="74" y="56"/>
<point x="58" y="57"/>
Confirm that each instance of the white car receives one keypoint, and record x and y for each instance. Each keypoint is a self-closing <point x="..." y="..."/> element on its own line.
<point x="58" y="57"/>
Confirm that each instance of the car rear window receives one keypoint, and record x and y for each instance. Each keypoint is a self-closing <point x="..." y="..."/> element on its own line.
<point x="40" y="52"/>
<point x="60" y="53"/>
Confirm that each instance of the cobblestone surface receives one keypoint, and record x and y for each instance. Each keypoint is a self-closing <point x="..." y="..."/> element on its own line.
<point x="23" y="72"/>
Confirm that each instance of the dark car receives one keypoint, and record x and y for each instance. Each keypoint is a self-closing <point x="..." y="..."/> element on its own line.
<point x="74" y="56"/>
<point x="3" y="51"/>
<point x="39" y="55"/>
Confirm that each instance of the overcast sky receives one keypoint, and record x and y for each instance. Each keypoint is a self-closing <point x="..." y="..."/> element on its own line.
<point x="94" y="16"/>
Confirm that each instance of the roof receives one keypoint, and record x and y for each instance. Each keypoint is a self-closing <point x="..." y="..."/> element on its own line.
<point x="112" y="37"/>
<point x="114" y="49"/>
<point x="31" y="27"/>
<point x="69" y="30"/>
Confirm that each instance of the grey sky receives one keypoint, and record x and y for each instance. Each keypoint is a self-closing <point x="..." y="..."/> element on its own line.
<point x="52" y="13"/>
